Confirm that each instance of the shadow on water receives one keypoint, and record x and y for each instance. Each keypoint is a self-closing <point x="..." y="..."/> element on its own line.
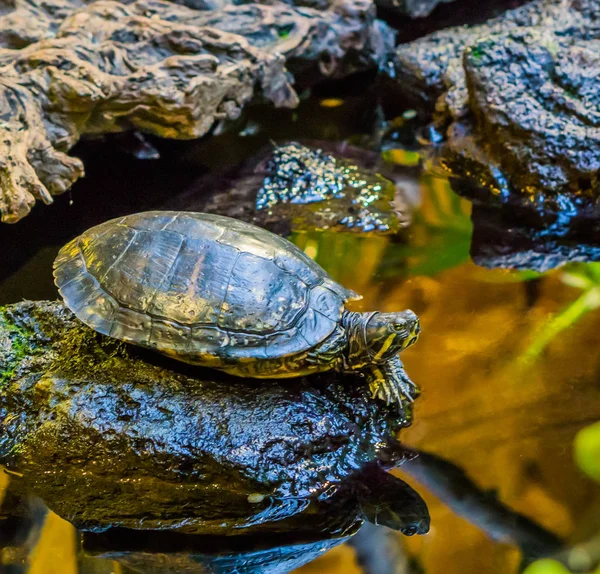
<point x="508" y="363"/>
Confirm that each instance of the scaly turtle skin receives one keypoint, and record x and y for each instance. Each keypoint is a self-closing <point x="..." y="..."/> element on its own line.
<point x="217" y="292"/>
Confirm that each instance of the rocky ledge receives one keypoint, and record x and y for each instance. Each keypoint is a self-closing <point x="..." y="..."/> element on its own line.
<point x="69" y="69"/>
<point x="517" y="102"/>
<point x="108" y="435"/>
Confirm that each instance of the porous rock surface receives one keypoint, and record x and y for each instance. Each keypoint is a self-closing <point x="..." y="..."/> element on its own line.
<point x="74" y="68"/>
<point x="517" y="100"/>
<point x="412" y="8"/>
<point x="293" y="187"/>
<point x="109" y="435"/>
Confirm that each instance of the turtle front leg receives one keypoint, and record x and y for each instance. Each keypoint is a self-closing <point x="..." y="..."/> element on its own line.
<point x="390" y="383"/>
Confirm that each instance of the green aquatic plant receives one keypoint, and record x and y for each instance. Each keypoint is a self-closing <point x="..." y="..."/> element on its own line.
<point x="440" y="236"/>
<point x="546" y="566"/>
<point x="586" y="450"/>
<point x="583" y="557"/>
<point x="583" y="276"/>
<point x="402" y="156"/>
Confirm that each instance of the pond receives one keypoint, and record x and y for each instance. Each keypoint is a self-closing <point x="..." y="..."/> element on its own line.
<point x="508" y="361"/>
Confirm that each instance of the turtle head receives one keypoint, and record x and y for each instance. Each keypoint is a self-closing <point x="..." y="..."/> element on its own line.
<point x="386" y="334"/>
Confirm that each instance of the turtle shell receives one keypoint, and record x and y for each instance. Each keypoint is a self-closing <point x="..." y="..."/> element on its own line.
<point x="203" y="288"/>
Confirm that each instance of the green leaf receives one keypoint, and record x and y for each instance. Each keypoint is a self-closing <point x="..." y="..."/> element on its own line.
<point x="546" y="566"/>
<point x="587" y="450"/>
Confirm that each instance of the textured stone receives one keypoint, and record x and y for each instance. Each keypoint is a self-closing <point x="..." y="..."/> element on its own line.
<point x="294" y="187"/>
<point x="516" y="99"/>
<point x="154" y="66"/>
<point x="113" y="436"/>
<point x="412" y="8"/>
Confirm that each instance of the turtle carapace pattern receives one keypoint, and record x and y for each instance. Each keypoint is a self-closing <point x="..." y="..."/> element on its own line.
<point x="217" y="292"/>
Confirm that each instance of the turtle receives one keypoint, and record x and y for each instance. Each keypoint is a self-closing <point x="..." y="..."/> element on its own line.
<point x="217" y="292"/>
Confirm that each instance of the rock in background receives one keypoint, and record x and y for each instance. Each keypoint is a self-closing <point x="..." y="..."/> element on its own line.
<point x="69" y="69"/>
<point x="413" y="8"/>
<point x="515" y="103"/>
<point x="296" y="187"/>
<point x="516" y="98"/>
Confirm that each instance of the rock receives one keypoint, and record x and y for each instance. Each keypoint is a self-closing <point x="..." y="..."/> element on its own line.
<point x="517" y="101"/>
<point x="412" y="8"/>
<point x="110" y="435"/>
<point x="517" y="233"/>
<point x="292" y="187"/>
<point x="157" y="67"/>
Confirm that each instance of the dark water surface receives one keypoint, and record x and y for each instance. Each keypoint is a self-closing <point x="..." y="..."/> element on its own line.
<point x="508" y="362"/>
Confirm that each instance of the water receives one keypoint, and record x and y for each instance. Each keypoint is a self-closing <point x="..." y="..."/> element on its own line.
<point x="508" y="363"/>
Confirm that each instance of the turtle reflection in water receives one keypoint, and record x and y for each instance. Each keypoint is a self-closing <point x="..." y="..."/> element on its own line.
<point x="381" y="499"/>
<point x="217" y="292"/>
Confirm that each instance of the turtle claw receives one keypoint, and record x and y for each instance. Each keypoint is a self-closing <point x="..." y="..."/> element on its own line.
<point x="407" y="391"/>
<point x="383" y="390"/>
<point x="396" y="394"/>
<point x="390" y="383"/>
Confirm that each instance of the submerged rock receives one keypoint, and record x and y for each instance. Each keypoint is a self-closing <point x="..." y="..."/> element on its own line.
<point x="114" y="436"/>
<point x="69" y="70"/>
<point x="295" y="187"/>
<point x="517" y="101"/>
<point x="517" y="233"/>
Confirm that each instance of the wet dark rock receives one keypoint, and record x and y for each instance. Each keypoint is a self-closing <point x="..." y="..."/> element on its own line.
<point x="518" y="233"/>
<point x="438" y="15"/>
<point x="516" y="100"/>
<point x="157" y="553"/>
<point x="70" y="70"/>
<point x="292" y="187"/>
<point x="110" y="435"/>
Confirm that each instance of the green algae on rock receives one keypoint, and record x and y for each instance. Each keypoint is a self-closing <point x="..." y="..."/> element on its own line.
<point x="110" y="435"/>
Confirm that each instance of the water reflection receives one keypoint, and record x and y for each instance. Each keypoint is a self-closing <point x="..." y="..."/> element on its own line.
<point x="34" y="540"/>
<point x="515" y="231"/>
<point x="156" y="553"/>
